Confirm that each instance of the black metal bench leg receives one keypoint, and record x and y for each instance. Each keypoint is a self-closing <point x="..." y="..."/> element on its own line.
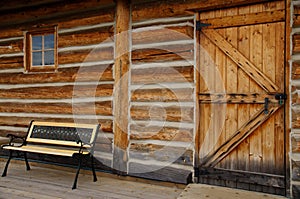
<point x="26" y="161"/>
<point x="77" y="173"/>
<point x="93" y="169"/>
<point x="7" y="163"/>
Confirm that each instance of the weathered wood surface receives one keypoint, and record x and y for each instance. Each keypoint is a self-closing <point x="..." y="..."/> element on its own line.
<point x="78" y="74"/>
<point x="55" y="181"/>
<point x="164" y="53"/>
<point x="163" y="74"/>
<point x="241" y="61"/>
<point x="101" y="108"/>
<point x="144" y="11"/>
<point x="246" y="19"/>
<point x="162" y="95"/>
<point x="58" y="92"/>
<point x="145" y="132"/>
<point x="263" y="46"/>
<point x="156" y="112"/>
<point x="236" y="98"/>
<point x="122" y="78"/>
<point x="194" y="191"/>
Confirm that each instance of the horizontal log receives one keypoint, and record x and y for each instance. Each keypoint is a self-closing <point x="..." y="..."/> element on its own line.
<point x="15" y="46"/>
<point x="296" y="43"/>
<point x="162" y="95"/>
<point x="179" y="155"/>
<point x="163" y="74"/>
<point x="104" y="16"/>
<point x="295" y="70"/>
<point x="295" y="143"/>
<point x="89" y="37"/>
<point x="91" y="73"/>
<point x="163" y="53"/>
<point x="92" y="108"/>
<point x="162" y="35"/>
<point x="15" y="121"/>
<point x="145" y="132"/>
<point x="59" y="10"/>
<point x="58" y="92"/>
<point x="236" y="98"/>
<point x="160" y="9"/>
<point x="11" y="62"/>
<point x="246" y="19"/>
<point x="162" y="173"/>
<point x="12" y="32"/>
<point x="172" y="113"/>
<point x="97" y="54"/>
<point x="19" y="4"/>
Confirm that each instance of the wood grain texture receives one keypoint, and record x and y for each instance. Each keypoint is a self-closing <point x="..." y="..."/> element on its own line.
<point x="162" y="95"/>
<point x="259" y="118"/>
<point x="162" y="74"/>
<point x="93" y="108"/>
<point x="164" y="53"/>
<point x="172" y="113"/>
<point x="88" y="37"/>
<point x="173" y="33"/>
<point x="17" y="121"/>
<point x="179" y="155"/>
<point x="121" y="94"/>
<point x="58" y="92"/>
<point x="168" y="9"/>
<point x="80" y="56"/>
<point x="241" y="61"/>
<point x="12" y="62"/>
<point x="246" y="19"/>
<point x="92" y="73"/>
<point x="146" y="132"/>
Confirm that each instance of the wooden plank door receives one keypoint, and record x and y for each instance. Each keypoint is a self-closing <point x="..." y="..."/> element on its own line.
<point x="241" y="91"/>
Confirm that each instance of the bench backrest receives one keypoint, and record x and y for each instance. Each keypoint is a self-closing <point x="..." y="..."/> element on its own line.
<point x="66" y="134"/>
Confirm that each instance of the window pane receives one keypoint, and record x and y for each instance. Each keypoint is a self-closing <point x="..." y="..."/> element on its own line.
<point x="37" y="59"/>
<point x="49" y="57"/>
<point x="37" y="42"/>
<point x="49" y="41"/>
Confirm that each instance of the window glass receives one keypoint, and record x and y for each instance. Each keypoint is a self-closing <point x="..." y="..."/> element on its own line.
<point x="49" y="41"/>
<point x="37" y="59"/>
<point x="37" y="43"/>
<point x="49" y="57"/>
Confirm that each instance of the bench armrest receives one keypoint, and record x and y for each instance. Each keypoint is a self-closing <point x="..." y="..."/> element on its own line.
<point x="13" y="139"/>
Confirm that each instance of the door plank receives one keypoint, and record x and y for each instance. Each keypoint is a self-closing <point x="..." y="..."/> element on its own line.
<point x="241" y="61"/>
<point x="214" y="157"/>
<point x="235" y="98"/>
<point x="245" y="19"/>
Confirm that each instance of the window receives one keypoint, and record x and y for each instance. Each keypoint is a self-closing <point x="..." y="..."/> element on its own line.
<point x="41" y="50"/>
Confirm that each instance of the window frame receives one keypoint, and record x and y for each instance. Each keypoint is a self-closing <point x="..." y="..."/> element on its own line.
<point x="28" y="50"/>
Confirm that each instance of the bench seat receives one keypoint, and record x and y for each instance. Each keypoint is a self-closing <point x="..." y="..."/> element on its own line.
<point x="50" y="150"/>
<point x="60" y="139"/>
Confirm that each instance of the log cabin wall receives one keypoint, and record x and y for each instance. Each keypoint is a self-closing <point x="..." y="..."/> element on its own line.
<point x="162" y="97"/>
<point x="295" y="86"/>
<point x="81" y="88"/>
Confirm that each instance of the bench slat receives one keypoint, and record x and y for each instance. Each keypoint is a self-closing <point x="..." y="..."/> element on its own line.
<point x="45" y="150"/>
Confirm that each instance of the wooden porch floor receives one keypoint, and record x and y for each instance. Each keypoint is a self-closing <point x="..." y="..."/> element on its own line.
<point x="45" y="183"/>
<point x="49" y="182"/>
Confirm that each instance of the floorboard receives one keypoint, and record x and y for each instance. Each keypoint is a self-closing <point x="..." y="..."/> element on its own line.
<point x="48" y="183"/>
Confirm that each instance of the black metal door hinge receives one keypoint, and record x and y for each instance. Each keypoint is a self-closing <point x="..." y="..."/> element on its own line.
<point x="200" y="25"/>
<point x="281" y="97"/>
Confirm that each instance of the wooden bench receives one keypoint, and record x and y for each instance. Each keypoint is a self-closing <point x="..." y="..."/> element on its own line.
<point x="60" y="139"/>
